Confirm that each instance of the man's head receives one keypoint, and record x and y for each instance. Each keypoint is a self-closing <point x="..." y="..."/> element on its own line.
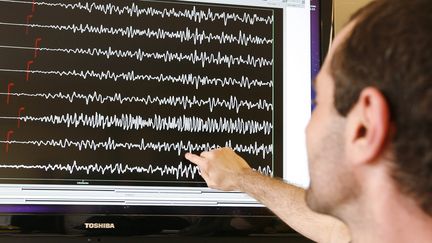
<point x="374" y="106"/>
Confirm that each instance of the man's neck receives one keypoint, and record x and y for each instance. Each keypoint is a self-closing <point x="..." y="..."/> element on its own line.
<point x="388" y="216"/>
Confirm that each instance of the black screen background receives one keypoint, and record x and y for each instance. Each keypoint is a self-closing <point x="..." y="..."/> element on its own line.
<point x="17" y="59"/>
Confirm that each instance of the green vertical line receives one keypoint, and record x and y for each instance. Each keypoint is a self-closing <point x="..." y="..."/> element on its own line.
<point x="273" y="90"/>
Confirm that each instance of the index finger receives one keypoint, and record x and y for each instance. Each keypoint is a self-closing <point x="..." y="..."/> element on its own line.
<point x="198" y="160"/>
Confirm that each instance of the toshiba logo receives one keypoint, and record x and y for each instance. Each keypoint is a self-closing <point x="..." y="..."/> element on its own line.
<point x="99" y="225"/>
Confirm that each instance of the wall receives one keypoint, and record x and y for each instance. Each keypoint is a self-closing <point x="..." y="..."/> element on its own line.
<point x="344" y="9"/>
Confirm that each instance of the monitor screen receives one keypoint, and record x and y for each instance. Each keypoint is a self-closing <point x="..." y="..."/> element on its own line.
<point x="99" y="101"/>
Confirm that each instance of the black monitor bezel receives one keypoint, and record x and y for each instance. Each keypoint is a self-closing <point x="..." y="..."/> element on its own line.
<point x="58" y="210"/>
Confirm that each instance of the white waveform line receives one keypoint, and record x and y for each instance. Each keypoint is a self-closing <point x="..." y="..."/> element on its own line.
<point x="186" y="35"/>
<point x="157" y="122"/>
<point x="184" y="79"/>
<point x="266" y="170"/>
<point x="183" y="101"/>
<point x="135" y="11"/>
<point x="131" y="76"/>
<point x="195" y="57"/>
<point x="179" y="171"/>
<point x="179" y="147"/>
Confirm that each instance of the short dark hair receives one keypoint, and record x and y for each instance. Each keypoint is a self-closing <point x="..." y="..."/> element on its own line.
<point x="390" y="48"/>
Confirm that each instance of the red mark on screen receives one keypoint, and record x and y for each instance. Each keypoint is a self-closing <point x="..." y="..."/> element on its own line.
<point x="21" y="110"/>
<point x="34" y="6"/>
<point x="8" y="138"/>
<point x="36" y="46"/>
<point x="10" y="85"/>
<point x="29" y="17"/>
<point x="29" y="63"/>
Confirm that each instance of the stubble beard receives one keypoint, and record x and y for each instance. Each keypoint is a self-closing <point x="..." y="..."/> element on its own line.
<point x="332" y="184"/>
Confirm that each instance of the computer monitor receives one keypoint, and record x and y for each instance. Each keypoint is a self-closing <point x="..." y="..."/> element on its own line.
<point x="101" y="100"/>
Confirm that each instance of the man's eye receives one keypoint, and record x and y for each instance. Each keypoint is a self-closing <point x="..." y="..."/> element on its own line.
<point x="314" y="102"/>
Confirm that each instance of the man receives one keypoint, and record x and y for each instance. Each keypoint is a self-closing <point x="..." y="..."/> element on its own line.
<point x="369" y="139"/>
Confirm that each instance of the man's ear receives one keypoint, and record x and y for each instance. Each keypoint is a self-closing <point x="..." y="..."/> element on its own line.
<point x="368" y="127"/>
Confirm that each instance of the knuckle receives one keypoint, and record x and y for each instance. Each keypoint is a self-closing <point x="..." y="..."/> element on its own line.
<point x="204" y="167"/>
<point x="210" y="154"/>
